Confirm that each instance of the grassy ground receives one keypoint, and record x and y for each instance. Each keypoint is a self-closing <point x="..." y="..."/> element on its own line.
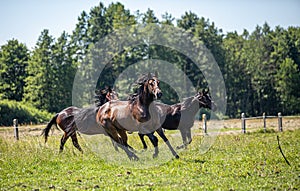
<point x="249" y="161"/>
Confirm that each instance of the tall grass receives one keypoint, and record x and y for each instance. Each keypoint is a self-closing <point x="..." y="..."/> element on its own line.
<point x="235" y="162"/>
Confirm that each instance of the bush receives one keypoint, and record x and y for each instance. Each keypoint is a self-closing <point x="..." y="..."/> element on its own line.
<point x="25" y="113"/>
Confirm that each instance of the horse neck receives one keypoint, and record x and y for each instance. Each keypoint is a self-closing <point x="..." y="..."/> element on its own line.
<point x="191" y="106"/>
<point x="103" y="99"/>
<point x="145" y="98"/>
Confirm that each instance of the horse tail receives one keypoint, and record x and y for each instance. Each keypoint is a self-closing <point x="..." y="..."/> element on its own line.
<point x="48" y="127"/>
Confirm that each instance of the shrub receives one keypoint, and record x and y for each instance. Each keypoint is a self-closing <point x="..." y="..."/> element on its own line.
<point x="25" y="113"/>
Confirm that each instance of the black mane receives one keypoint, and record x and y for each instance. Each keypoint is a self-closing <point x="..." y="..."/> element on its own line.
<point x="139" y="83"/>
<point x="100" y="97"/>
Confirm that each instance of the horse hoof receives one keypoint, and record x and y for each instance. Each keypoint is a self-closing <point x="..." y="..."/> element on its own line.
<point x="155" y="156"/>
<point x="177" y="156"/>
<point x="134" y="158"/>
<point x="143" y="150"/>
<point x="179" y="147"/>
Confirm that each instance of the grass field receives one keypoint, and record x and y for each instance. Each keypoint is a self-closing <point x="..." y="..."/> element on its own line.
<point x="236" y="161"/>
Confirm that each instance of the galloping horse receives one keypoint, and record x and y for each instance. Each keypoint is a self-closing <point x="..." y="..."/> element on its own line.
<point x="138" y="114"/>
<point x="181" y="116"/>
<point x="74" y="119"/>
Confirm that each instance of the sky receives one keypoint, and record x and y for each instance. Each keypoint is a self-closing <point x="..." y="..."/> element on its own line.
<point x="24" y="20"/>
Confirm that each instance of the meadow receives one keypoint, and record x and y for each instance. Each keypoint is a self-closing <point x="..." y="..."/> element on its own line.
<point x="235" y="161"/>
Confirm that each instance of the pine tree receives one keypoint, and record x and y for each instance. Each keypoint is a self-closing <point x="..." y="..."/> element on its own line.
<point x="64" y="68"/>
<point x="39" y="82"/>
<point x="13" y="62"/>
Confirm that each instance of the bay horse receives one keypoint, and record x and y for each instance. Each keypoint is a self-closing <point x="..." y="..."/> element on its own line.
<point x="138" y="114"/>
<point x="181" y="116"/>
<point x="74" y="119"/>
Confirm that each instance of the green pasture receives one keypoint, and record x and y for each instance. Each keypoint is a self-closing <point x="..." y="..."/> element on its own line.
<point x="249" y="161"/>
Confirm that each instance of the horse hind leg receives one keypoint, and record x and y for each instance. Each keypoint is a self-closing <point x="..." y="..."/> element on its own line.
<point x="124" y="145"/>
<point x="154" y="141"/>
<point x="189" y="136"/>
<point x="115" y="145"/>
<point x="75" y="142"/>
<point x="121" y="141"/>
<point x="143" y="141"/>
<point x="124" y="137"/>
<point x="63" y="141"/>
<point x="163" y="136"/>
<point x="184" y="139"/>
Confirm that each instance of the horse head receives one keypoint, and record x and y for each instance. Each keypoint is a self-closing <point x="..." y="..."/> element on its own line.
<point x="152" y="85"/>
<point x="149" y="83"/>
<point x="205" y="101"/>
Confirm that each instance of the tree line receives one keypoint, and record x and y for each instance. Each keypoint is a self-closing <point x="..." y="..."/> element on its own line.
<point x="260" y="68"/>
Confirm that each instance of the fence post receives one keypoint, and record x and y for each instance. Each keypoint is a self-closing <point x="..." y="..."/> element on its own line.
<point x="16" y="130"/>
<point x="264" y="118"/>
<point x="280" y="122"/>
<point x="204" y="122"/>
<point x="243" y="123"/>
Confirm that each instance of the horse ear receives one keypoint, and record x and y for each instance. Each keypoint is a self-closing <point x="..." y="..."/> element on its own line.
<point x="109" y="88"/>
<point x="149" y="75"/>
<point x="103" y="91"/>
<point x="205" y="91"/>
<point x="156" y="74"/>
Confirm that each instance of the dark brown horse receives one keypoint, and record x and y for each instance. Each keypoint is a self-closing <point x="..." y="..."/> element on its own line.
<point x="74" y="119"/>
<point x="138" y="114"/>
<point x="181" y="116"/>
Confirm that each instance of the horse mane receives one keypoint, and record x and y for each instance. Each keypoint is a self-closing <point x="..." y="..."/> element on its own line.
<point x="100" y="97"/>
<point x="187" y="102"/>
<point x="139" y="90"/>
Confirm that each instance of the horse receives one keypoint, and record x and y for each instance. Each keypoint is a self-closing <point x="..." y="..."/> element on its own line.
<point x="181" y="116"/>
<point x="74" y="119"/>
<point x="137" y="114"/>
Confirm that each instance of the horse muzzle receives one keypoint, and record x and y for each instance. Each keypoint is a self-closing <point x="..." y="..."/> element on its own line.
<point x="158" y="95"/>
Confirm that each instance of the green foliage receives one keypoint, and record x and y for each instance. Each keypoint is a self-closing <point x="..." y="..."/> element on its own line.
<point x="262" y="71"/>
<point x="25" y="113"/>
<point x="13" y="62"/>
<point x="40" y="73"/>
<point x="51" y="71"/>
<point x="261" y="68"/>
<point x="235" y="162"/>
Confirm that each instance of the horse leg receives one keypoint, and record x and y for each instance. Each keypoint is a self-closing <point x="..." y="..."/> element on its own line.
<point x="63" y="140"/>
<point x="124" y="137"/>
<point x="75" y="142"/>
<point x="183" y="136"/>
<point x="189" y="136"/>
<point x="154" y="141"/>
<point x="114" y="144"/>
<point x="125" y="146"/>
<point x="113" y="133"/>
<point x="143" y="141"/>
<point x="163" y="136"/>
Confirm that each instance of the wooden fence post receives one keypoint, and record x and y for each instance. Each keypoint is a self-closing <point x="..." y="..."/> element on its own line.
<point x="264" y="118"/>
<point x="280" y="122"/>
<point x="16" y="130"/>
<point x="243" y="123"/>
<point x="204" y="122"/>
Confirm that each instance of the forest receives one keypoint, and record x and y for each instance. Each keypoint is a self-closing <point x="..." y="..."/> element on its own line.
<point x="261" y="68"/>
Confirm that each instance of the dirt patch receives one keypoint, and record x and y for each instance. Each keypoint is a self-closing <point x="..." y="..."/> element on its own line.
<point x="227" y="126"/>
<point x="27" y="130"/>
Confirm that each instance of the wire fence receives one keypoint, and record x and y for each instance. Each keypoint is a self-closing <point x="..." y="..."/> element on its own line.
<point x="244" y="119"/>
